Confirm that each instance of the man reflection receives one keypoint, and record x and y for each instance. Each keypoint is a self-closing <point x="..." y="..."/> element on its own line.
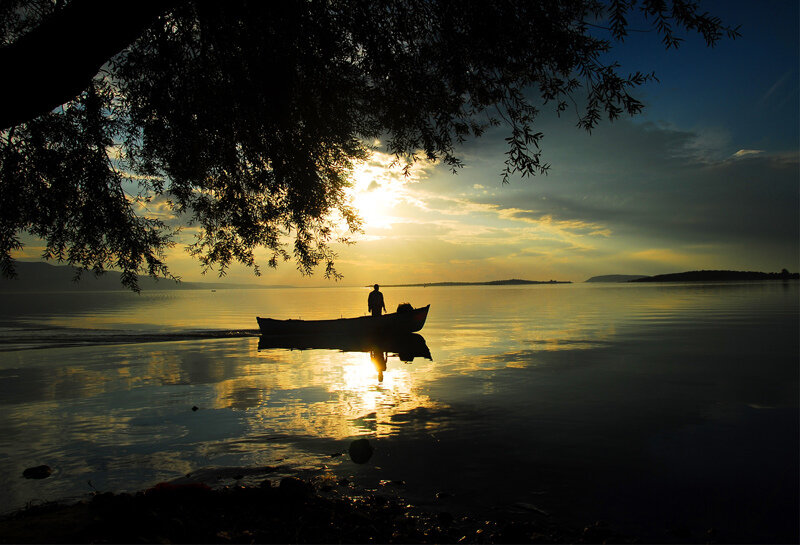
<point x="379" y="358"/>
<point x="375" y="301"/>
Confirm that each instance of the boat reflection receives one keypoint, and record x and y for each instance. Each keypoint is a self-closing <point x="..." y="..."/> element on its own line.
<point x="405" y="346"/>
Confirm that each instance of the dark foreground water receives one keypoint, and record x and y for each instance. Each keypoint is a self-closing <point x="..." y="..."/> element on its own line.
<point x="666" y="410"/>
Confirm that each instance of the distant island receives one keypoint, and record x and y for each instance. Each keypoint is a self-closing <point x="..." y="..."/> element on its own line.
<point x="718" y="276"/>
<point x="616" y="278"/>
<point x="510" y="282"/>
<point x="40" y="276"/>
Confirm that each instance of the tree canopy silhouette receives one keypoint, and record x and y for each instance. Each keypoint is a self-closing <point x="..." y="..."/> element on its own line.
<point x="244" y="119"/>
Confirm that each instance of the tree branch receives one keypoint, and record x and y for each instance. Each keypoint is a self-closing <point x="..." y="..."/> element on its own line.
<point x="53" y="63"/>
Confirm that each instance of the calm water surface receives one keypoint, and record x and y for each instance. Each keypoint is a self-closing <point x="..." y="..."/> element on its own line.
<point x="666" y="410"/>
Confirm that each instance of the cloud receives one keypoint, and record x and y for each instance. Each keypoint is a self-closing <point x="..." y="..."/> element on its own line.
<point x="662" y="256"/>
<point x="642" y="197"/>
<point x="747" y="152"/>
<point x="631" y="182"/>
<point x="412" y="230"/>
<point x="775" y="86"/>
<point x="625" y="189"/>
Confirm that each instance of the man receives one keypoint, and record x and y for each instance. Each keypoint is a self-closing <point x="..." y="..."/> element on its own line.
<point x="375" y="301"/>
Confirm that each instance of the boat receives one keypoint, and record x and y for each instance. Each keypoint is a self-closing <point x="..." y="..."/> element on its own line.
<point x="406" y="346"/>
<point x="408" y="321"/>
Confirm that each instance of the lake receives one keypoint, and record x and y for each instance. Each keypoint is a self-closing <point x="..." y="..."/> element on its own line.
<point x="667" y="410"/>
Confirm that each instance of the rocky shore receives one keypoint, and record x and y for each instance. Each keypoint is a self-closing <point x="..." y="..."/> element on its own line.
<point x="291" y="510"/>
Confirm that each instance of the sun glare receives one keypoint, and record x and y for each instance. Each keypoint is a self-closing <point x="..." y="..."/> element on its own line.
<point x="374" y="196"/>
<point x="378" y="187"/>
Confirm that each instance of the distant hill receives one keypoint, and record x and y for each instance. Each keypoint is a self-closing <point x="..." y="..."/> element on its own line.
<point x="510" y="282"/>
<point x="39" y="276"/>
<point x="719" y="276"/>
<point x="617" y="278"/>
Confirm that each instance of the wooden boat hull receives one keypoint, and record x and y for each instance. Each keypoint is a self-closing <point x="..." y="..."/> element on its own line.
<point x="388" y="324"/>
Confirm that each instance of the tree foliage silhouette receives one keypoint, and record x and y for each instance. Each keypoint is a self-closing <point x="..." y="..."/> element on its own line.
<point x="244" y="119"/>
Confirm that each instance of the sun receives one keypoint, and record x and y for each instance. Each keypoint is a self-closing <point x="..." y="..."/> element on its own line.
<point x="380" y="187"/>
<point x="375" y="193"/>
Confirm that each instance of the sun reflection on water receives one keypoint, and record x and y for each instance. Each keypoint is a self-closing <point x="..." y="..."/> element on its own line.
<point x="323" y="393"/>
<point x="369" y="397"/>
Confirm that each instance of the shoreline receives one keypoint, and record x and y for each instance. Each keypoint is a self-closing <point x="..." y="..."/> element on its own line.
<point x="289" y="510"/>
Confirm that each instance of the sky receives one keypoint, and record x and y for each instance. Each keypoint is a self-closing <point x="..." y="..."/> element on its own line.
<point x="706" y="178"/>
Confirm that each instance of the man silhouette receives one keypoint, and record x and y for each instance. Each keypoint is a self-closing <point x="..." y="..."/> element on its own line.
<point x="375" y="301"/>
